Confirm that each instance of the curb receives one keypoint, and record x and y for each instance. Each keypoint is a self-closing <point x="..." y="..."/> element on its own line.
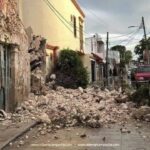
<point x="13" y="138"/>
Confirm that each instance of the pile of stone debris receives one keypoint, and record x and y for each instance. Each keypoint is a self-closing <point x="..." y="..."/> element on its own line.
<point x="91" y="107"/>
<point x="37" y="63"/>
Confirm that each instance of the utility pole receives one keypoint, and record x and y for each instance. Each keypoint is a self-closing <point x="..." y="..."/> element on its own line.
<point x="145" y="37"/>
<point x="143" y="23"/>
<point x="107" y="63"/>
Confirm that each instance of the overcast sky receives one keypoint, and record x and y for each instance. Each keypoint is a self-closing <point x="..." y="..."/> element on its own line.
<point x="114" y="16"/>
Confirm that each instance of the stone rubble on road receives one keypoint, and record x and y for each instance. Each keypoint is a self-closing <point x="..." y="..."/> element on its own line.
<point x="78" y="107"/>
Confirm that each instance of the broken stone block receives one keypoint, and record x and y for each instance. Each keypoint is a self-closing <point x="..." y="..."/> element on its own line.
<point x="42" y="100"/>
<point x="81" y="89"/>
<point x="93" y="123"/>
<point x="44" y="118"/>
<point x="3" y="114"/>
<point x="122" y="99"/>
<point x="124" y="130"/>
<point x="147" y="117"/>
<point x="53" y="76"/>
<point x="124" y="106"/>
<point x="21" y="142"/>
<point x="102" y="105"/>
<point x="141" y="112"/>
<point x="85" y="96"/>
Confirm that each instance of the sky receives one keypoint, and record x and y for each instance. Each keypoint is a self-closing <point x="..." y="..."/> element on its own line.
<point x="115" y="16"/>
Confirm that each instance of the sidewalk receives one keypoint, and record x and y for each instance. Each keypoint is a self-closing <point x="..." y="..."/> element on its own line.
<point x="8" y="133"/>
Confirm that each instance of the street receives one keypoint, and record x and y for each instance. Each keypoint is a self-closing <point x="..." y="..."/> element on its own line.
<point x="133" y="136"/>
<point x="74" y="75"/>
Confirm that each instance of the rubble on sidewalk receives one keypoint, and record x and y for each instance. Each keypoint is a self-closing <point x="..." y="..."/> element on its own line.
<point x="3" y="114"/>
<point x="142" y="113"/>
<point x="77" y="107"/>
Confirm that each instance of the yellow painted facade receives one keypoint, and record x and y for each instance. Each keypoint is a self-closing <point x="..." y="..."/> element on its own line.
<point x="54" y="21"/>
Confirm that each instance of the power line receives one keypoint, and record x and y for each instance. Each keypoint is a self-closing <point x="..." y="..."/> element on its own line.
<point x="46" y="1"/>
<point x="132" y="38"/>
<point x="70" y="24"/>
<point x="61" y="18"/>
<point x="129" y="38"/>
<point x="91" y="12"/>
<point x="122" y="35"/>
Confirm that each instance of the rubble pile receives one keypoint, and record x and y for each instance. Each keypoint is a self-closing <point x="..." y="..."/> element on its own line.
<point x="67" y="107"/>
<point x="91" y="107"/>
<point x="143" y="113"/>
<point x="37" y="63"/>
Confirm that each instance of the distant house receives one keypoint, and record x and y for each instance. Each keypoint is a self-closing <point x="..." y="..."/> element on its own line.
<point x="95" y="50"/>
<point x="60" y="22"/>
<point x="113" y="57"/>
<point x="14" y="57"/>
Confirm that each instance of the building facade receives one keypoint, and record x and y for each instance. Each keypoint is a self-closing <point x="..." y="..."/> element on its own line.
<point x="14" y="57"/>
<point x="96" y="51"/>
<point x="113" y="58"/>
<point x="61" y="22"/>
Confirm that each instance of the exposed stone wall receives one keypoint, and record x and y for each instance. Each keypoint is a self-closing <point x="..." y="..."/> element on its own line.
<point x="11" y="27"/>
<point x="12" y="33"/>
<point x="37" y="52"/>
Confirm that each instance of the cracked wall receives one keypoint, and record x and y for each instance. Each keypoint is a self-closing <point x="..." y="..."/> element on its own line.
<point x="12" y="33"/>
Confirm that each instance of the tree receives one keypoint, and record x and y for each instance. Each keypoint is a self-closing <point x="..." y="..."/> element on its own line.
<point x="70" y="70"/>
<point x="121" y="49"/>
<point x="139" y="49"/>
<point x="128" y="56"/>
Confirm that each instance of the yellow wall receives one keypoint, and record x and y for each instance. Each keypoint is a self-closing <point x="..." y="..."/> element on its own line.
<point x="37" y="15"/>
<point x="87" y="64"/>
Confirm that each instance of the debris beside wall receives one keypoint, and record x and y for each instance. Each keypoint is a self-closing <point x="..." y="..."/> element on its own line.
<point x="91" y="107"/>
<point x="37" y="63"/>
<point x="68" y="107"/>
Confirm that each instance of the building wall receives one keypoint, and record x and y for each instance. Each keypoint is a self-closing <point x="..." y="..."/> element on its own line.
<point x="37" y="15"/>
<point x="87" y="64"/>
<point x="13" y="35"/>
<point x="95" y="45"/>
<point x="114" y="58"/>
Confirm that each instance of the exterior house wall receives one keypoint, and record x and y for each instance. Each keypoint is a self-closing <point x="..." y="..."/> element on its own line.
<point x="95" y="49"/>
<point x="114" y="58"/>
<point x="87" y="64"/>
<point x="56" y="26"/>
<point x="14" y="42"/>
<point x="37" y="15"/>
<point x="95" y="45"/>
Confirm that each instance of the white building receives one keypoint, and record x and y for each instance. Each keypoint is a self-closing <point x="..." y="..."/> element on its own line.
<point x="96" y="51"/>
<point x="114" y="58"/>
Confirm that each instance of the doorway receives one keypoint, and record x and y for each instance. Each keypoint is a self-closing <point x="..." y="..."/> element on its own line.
<point x="93" y="70"/>
<point x="5" y="75"/>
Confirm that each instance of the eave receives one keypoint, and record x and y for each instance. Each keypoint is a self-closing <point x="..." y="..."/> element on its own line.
<point x="78" y="8"/>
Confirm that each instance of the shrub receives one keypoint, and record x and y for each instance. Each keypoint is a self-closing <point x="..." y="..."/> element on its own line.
<point x="70" y="70"/>
<point x="141" y="96"/>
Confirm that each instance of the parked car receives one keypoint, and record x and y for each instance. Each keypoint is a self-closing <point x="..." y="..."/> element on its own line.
<point x="142" y="75"/>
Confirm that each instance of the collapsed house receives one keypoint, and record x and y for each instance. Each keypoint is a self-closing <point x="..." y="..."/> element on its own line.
<point x="42" y="62"/>
<point x="37" y="63"/>
<point x="14" y="57"/>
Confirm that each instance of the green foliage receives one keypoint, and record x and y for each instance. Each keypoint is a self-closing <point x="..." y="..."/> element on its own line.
<point x="125" y="56"/>
<point x="141" y="47"/>
<point x="121" y="49"/>
<point x="141" y="96"/>
<point x="70" y="70"/>
<point x="128" y="56"/>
